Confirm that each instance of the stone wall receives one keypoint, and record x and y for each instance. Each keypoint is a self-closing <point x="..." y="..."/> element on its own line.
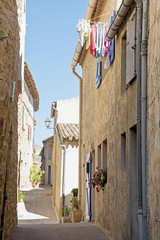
<point x="153" y="117"/>
<point x="9" y="59"/>
<point x="106" y="115"/>
<point x="25" y="136"/>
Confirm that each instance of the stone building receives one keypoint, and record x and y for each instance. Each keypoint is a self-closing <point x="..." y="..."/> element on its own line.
<point x="119" y="121"/>
<point x="28" y="103"/>
<point x="12" y="18"/>
<point x="47" y="160"/>
<point x="65" y="151"/>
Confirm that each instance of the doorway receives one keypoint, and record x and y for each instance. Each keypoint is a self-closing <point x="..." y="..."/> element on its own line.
<point x="49" y="175"/>
<point x="133" y="184"/>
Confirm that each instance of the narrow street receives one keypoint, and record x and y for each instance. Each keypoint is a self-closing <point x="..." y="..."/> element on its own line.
<point x="37" y="220"/>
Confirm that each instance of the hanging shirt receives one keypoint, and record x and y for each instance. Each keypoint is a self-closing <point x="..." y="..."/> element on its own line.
<point x="88" y="39"/>
<point x="112" y="43"/>
<point x="99" y="40"/>
<point x="99" y="74"/>
<point x="93" y="44"/>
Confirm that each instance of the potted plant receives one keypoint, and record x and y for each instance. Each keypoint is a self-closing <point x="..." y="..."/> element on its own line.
<point x="36" y="175"/>
<point x="66" y="218"/>
<point x="76" y="213"/>
<point x="99" y="179"/>
<point x="75" y="192"/>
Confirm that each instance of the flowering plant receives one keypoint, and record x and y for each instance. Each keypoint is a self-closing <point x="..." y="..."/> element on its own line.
<point x="99" y="179"/>
<point x="75" y="204"/>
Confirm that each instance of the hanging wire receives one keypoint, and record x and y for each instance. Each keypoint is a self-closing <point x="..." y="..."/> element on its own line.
<point x="98" y="16"/>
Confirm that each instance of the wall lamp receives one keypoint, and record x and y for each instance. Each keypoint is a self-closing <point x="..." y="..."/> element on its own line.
<point x="48" y="123"/>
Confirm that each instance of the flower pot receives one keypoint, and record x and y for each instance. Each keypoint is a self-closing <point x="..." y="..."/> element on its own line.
<point x="76" y="215"/>
<point x="66" y="219"/>
<point x="36" y="185"/>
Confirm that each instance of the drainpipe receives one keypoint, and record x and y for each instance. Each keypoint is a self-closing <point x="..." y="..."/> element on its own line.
<point x="144" y="113"/>
<point x="139" y="157"/>
<point x="80" y="133"/>
<point x="64" y="158"/>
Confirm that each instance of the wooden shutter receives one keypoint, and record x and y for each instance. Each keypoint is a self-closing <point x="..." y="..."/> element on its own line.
<point x="130" y="48"/>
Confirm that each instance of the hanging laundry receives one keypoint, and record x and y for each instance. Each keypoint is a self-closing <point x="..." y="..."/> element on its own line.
<point x="88" y="38"/>
<point x="93" y="44"/>
<point x="112" y="43"/>
<point x="99" y="74"/>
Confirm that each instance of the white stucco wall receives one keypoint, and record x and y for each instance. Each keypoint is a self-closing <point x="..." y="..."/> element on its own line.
<point x="71" y="169"/>
<point x="68" y="110"/>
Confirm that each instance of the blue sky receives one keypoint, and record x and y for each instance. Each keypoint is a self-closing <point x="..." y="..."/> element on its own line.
<point x="51" y="39"/>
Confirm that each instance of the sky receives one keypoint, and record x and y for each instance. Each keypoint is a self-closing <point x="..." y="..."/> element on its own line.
<point x="51" y="39"/>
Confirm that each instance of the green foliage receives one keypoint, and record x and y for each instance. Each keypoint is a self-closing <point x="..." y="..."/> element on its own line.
<point x="21" y="196"/>
<point x="75" y="192"/>
<point x="66" y="211"/>
<point x="35" y="174"/>
<point x="75" y="204"/>
<point x="99" y="179"/>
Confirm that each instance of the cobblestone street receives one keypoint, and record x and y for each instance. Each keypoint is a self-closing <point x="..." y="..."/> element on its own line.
<point x="37" y="221"/>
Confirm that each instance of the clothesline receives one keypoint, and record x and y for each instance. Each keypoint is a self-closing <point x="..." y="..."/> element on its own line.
<point x="98" y="17"/>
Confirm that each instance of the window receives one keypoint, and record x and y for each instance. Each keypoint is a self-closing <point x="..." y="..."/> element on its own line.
<point x="104" y="153"/>
<point x="29" y="132"/>
<point x="123" y="152"/>
<point x="99" y="156"/>
<point x="128" y="56"/>
<point x="23" y="118"/>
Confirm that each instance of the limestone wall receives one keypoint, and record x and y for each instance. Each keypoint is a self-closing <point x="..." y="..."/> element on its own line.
<point x="25" y="136"/>
<point x="153" y="117"/>
<point x="106" y="114"/>
<point x="56" y="177"/>
<point x="9" y="59"/>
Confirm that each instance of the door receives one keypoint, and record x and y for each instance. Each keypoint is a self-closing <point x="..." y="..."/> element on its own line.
<point x="49" y="175"/>
<point x="134" y="184"/>
<point x="88" y="187"/>
<point x="93" y="189"/>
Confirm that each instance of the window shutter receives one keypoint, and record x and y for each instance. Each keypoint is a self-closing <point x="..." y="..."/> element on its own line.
<point x="130" y="48"/>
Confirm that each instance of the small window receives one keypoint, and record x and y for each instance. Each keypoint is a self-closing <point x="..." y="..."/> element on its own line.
<point x="104" y="153"/>
<point x="99" y="156"/>
<point x="128" y="54"/>
<point x="29" y="132"/>
<point x="123" y="152"/>
<point x="131" y="49"/>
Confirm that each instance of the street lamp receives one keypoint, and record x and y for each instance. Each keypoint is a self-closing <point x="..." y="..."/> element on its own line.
<point x="47" y="122"/>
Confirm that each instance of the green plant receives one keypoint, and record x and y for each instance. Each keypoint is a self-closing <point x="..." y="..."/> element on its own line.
<point x="36" y="174"/>
<point x="99" y="179"/>
<point x="75" y="192"/>
<point x="75" y="204"/>
<point x="21" y="196"/>
<point x="66" y="211"/>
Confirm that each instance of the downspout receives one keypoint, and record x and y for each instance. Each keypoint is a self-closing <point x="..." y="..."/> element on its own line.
<point x="64" y="158"/>
<point x="144" y="113"/>
<point x="139" y="157"/>
<point x="80" y="134"/>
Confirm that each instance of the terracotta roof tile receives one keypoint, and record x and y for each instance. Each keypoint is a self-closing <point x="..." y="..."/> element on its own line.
<point x="69" y="130"/>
